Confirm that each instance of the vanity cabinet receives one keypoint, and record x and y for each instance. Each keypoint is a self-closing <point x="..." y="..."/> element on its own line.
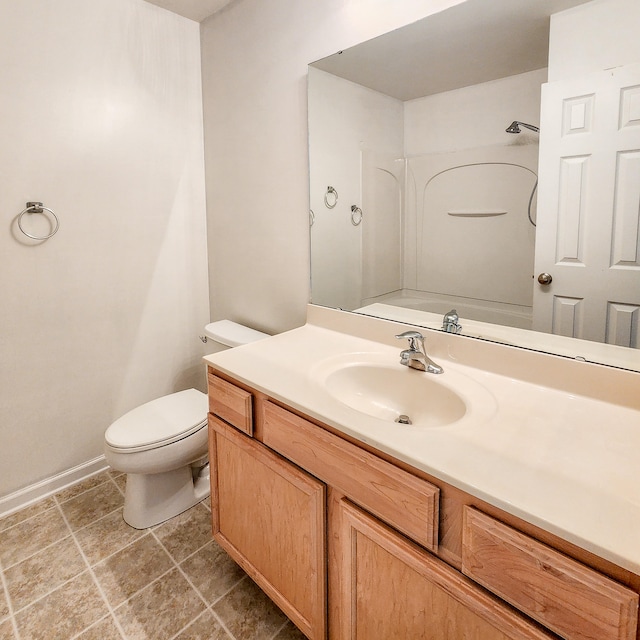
<point x="388" y="587"/>
<point x="353" y="545"/>
<point x="406" y="502"/>
<point x="565" y="596"/>
<point x="270" y="517"/>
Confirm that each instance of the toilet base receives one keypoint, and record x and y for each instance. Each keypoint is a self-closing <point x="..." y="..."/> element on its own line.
<point x="153" y="498"/>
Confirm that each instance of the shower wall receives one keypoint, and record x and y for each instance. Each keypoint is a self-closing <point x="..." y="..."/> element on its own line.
<point x="383" y="182"/>
<point x="473" y="236"/>
<point x="469" y="182"/>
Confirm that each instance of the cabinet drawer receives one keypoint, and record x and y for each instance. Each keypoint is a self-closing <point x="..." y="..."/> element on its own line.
<point x="404" y="501"/>
<point x="569" y="598"/>
<point x="232" y="404"/>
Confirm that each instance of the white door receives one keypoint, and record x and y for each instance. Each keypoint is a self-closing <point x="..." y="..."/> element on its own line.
<point x="588" y="233"/>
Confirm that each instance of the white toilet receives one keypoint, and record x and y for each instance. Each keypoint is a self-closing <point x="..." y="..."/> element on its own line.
<point x="162" y="445"/>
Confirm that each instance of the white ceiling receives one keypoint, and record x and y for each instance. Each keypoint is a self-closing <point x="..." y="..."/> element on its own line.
<point x="473" y="42"/>
<point x="196" y="10"/>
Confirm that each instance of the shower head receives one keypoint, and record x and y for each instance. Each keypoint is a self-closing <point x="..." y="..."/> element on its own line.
<point x="514" y="127"/>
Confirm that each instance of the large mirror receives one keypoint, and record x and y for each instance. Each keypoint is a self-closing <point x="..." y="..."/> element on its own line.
<point x="486" y="159"/>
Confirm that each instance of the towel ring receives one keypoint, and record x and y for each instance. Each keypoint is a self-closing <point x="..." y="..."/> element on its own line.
<point x="312" y="217"/>
<point x="37" y="207"/>
<point x="356" y="215"/>
<point x="331" y="198"/>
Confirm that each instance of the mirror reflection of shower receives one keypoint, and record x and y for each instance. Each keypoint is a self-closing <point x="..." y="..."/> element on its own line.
<point x="445" y="222"/>
<point x="514" y="127"/>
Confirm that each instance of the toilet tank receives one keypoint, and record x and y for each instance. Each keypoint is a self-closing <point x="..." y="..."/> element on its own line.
<point x="223" y="334"/>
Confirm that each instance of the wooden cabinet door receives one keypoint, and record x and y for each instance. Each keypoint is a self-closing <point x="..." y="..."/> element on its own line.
<point x="384" y="586"/>
<point x="270" y="516"/>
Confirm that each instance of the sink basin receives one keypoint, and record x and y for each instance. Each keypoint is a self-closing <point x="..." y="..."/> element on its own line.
<point x="388" y="392"/>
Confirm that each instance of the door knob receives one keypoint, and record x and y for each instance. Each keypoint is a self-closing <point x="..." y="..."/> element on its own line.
<point x="545" y="278"/>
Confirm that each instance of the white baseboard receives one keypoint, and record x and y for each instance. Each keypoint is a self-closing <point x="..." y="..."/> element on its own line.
<point x="24" y="497"/>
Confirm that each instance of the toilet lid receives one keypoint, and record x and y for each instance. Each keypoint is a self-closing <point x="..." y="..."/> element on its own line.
<point x="160" y="421"/>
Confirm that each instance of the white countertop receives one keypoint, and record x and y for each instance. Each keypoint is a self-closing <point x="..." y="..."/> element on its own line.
<point x="555" y="457"/>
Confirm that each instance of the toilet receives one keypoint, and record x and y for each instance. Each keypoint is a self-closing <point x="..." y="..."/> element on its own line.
<point x="162" y="445"/>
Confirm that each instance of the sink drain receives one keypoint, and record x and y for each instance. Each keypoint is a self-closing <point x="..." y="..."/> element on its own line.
<point x="402" y="419"/>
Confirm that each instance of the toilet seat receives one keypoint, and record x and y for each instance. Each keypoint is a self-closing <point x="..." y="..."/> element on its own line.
<point x="159" y="422"/>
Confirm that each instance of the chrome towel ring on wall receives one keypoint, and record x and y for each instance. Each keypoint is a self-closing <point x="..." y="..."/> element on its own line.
<point x="356" y="215"/>
<point x="331" y="198"/>
<point x="38" y="207"/>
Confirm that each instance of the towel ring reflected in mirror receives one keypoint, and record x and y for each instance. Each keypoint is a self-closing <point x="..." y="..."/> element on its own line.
<point x="331" y="198"/>
<point x="356" y="215"/>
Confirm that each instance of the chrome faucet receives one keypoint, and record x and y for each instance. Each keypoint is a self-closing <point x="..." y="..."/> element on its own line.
<point x="450" y="322"/>
<point x="415" y="356"/>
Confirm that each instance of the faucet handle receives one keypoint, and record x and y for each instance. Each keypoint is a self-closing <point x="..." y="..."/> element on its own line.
<point x="410" y="334"/>
<point x="415" y="338"/>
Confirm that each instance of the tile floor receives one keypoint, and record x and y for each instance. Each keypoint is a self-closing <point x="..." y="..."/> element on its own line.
<point x="71" y="568"/>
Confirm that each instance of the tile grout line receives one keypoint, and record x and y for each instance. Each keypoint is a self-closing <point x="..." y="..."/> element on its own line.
<point x="48" y="593"/>
<point x="93" y="624"/>
<point x="151" y="531"/>
<point x="35" y="553"/>
<point x="126" y="546"/>
<point x="12" y="617"/>
<point x="217" y="619"/>
<point x="93" y="577"/>
<point x="188" y="557"/>
<point x="56" y="506"/>
<point x="117" y="485"/>
<point x="146" y="586"/>
<point x="224" y="595"/>
<point x="186" y="626"/>
<point x="210" y="607"/>
<point x="65" y="582"/>
<point x="284" y="624"/>
<point x="58" y="501"/>
<point x="35" y="515"/>
<point x="186" y="577"/>
<point x="150" y="584"/>
<point x="220" y="621"/>
<point x="160" y="577"/>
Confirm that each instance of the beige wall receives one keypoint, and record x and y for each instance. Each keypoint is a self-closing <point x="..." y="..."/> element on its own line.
<point x="100" y="118"/>
<point x="254" y="57"/>
<point x="599" y="35"/>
